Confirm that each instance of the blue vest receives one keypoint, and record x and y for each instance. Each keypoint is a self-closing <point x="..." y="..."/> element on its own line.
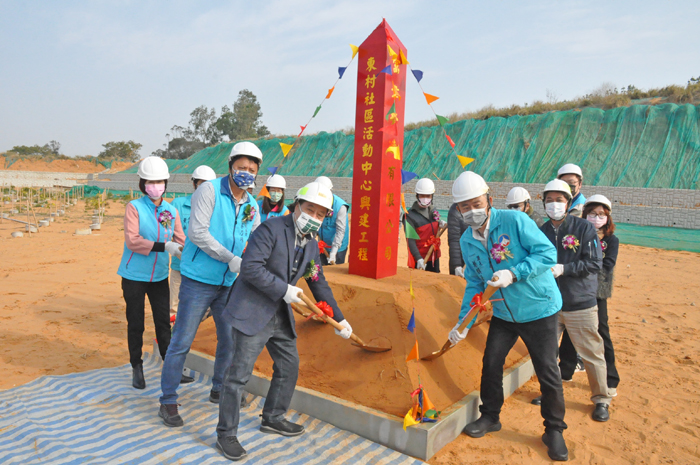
<point x="229" y="229"/>
<point x="154" y="266"/>
<point x="327" y="231"/>
<point x="578" y="200"/>
<point x="264" y="216"/>
<point x="183" y="206"/>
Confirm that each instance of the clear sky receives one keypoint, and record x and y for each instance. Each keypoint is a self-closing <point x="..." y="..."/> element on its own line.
<point x="85" y="73"/>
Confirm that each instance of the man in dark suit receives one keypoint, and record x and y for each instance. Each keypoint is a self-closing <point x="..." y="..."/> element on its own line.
<point x="280" y="251"/>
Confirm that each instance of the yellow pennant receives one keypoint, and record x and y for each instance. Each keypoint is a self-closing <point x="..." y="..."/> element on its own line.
<point x="391" y="51"/>
<point x="411" y="290"/>
<point x="408" y="420"/>
<point x="355" y="49"/>
<point x="402" y="58"/>
<point x="286" y="148"/>
<point x="464" y="161"/>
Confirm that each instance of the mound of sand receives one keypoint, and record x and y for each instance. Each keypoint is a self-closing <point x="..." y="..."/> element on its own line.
<point x="62" y="166"/>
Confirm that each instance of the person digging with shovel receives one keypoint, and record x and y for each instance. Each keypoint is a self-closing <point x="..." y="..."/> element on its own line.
<point x="505" y="249"/>
<point x="279" y="253"/>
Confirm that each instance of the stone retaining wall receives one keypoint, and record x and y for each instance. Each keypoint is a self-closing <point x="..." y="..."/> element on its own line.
<point x="41" y="178"/>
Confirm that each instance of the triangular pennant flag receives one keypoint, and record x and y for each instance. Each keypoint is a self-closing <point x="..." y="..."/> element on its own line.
<point x="318" y="108"/>
<point x="427" y="405"/>
<point x="413" y="355"/>
<point x="407" y="176"/>
<point x="303" y="128"/>
<point x="402" y="58"/>
<point x="330" y="92"/>
<point x="418" y="74"/>
<point x="449" y="139"/>
<point x="411" y="232"/>
<point x="412" y="322"/>
<point x="403" y="203"/>
<point x="442" y="120"/>
<point x="391" y="130"/>
<point x="430" y="98"/>
<point x="410" y="290"/>
<point x="409" y="421"/>
<point x="392" y="53"/>
<point x="341" y="71"/>
<point x="387" y="70"/>
<point x="286" y="148"/>
<point x="272" y="170"/>
<point x="264" y="192"/>
<point x="464" y="161"/>
<point x="391" y="110"/>
<point x="354" y="48"/>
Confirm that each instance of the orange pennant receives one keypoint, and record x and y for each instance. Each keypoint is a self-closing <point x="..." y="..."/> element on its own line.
<point x="330" y="92"/>
<point x="403" y="203"/>
<point x="449" y="139"/>
<point x="430" y="98"/>
<point x="263" y="192"/>
<point x="413" y="355"/>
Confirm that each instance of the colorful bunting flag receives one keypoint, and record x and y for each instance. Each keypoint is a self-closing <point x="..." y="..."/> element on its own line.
<point x="341" y="71"/>
<point x="264" y="192"/>
<point x="392" y="53"/>
<point x="402" y="58"/>
<point x="403" y="203"/>
<point x="407" y="176"/>
<point x="330" y="92"/>
<point x="412" y="322"/>
<point x="430" y="98"/>
<point x="272" y="170"/>
<point x="408" y="420"/>
<point x="303" y="128"/>
<point x="464" y="161"/>
<point x="442" y="120"/>
<point x="449" y="139"/>
<point x="354" y="48"/>
<point x="391" y="110"/>
<point x="413" y="355"/>
<point x="391" y="130"/>
<point x="410" y="289"/>
<point x="418" y="74"/>
<point x="411" y="232"/>
<point x="318" y="108"/>
<point x="386" y="70"/>
<point x="286" y="147"/>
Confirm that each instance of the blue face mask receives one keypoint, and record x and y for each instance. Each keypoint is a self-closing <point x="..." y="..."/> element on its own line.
<point x="243" y="179"/>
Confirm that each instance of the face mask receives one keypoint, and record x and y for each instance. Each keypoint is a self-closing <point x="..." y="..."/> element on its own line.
<point x="243" y="179"/>
<point x="573" y="189"/>
<point x="475" y="218"/>
<point x="307" y="224"/>
<point x="275" y="196"/>
<point x="155" y="191"/>
<point x="423" y="201"/>
<point x="596" y="221"/>
<point x="555" y="210"/>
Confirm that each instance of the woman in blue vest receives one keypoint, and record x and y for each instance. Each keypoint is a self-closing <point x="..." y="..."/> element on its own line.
<point x="334" y="230"/>
<point x="151" y="228"/>
<point x="274" y="205"/>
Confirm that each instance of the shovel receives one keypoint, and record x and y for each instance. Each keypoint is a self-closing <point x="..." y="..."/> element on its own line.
<point x="301" y="312"/>
<point x="470" y="316"/>
<point x="356" y="340"/>
<point x="432" y="247"/>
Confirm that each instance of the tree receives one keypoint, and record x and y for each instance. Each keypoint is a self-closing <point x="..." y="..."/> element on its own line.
<point x="243" y="122"/>
<point x="120" y="151"/>
<point x="180" y="148"/>
<point x="203" y="126"/>
<point x="31" y="150"/>
<point x="54" y="147"/>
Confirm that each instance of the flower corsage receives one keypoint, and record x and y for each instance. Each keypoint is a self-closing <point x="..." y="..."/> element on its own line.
<point x="312" y="270"/>
<point x="500" y="251"/>
<point x="570" y="242"/>
<point x="165" y="219"/>
<point x="248" y="213"/>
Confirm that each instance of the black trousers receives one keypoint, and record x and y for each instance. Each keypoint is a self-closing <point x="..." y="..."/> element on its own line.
<point x="567" y="353"/>
<point x="433" y="267"/>
<point x="540" y="338"/>
<point x="339" y="258"/>
<point x="135" y="297"/>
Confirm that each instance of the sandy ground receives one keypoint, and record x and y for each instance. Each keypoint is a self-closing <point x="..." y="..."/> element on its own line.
<point x="66" y="166"/>
<point x="61" y="311"/>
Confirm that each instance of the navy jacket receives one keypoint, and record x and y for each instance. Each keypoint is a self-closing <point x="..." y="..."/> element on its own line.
<point x="266" y="270"/>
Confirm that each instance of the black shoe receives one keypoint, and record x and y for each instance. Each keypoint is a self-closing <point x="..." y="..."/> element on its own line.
<point x="556" y="446"/>
<point x="480" y="427"/>
<point x="600" y="413"/>
<point x="184" y="379"/>
<point x="170" y="415"/>
<point x="214" y="396"/>
<point x="580" y="367"/>
<point x="283" y="427"/>
<point x="138" y="381"/>
<point x="536" y="401"/>
<point x="231" y="448"/>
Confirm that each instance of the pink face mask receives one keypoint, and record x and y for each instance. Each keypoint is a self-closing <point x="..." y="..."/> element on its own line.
<point x="597" y="221"/>
<point x="155" y="191"/>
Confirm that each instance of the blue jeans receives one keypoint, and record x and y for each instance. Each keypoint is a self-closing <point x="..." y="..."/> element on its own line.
<point x="279" y="339"/>
<point x="195" y="298"/>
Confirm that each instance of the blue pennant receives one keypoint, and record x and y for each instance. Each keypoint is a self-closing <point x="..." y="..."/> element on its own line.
<point x="272" y="170"/>
<point x="387" y="70"/>
<point x="407" y="176"/>
<point x="418" y="74"/>
<point x="341" y="71"/>
<point x="412" y="322"/>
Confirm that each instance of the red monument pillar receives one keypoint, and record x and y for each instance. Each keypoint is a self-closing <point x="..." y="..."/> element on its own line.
<point x="376" y="183"/>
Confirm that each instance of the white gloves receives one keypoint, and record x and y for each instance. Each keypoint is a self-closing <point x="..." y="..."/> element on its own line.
<point x="505" y="279"/>
<point x="455" y="336"/>
<point x="235" y="264"/>
<point x="420" y="264"/>
<point x="558" y="270"/>
<point x="174" y="249"/>
<point x="292" y="295"/>
<point x="346" y="332"/>
<point x="332" y="256"/>
<point x="442" y="223"/>
<point x="459" y="271"/>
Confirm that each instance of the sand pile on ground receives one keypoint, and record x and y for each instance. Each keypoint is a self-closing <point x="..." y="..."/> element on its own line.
<point x="62" y="166"/>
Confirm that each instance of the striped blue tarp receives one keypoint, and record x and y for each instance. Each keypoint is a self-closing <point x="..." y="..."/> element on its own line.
<point x="97" y="417"/>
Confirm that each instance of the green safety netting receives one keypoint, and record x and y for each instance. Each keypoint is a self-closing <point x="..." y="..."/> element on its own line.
<point x="88" y="191"/>
<point x="658" y="237"/>
<point x="636" y="146"/>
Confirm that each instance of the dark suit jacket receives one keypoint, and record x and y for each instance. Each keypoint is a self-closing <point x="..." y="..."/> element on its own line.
<point x="266" y="270"/>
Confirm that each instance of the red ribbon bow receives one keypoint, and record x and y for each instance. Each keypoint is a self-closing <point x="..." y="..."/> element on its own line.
<point x="476" y="302"/>
<point x="322" y="246"/>
<point x="325" y="308"/>
<point x="433" y="241"/>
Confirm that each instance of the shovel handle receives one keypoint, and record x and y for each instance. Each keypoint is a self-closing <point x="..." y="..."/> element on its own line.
<point x="432" y="247"/>
<point x="488" y="293"/>
<point x="312" y="306"/>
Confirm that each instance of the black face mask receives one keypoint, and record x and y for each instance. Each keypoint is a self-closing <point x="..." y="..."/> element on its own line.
<point x="573" y="189"/>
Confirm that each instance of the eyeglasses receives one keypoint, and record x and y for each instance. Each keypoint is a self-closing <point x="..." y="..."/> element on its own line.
<point x="599" y="217"/>
<point x="514" y="206"/>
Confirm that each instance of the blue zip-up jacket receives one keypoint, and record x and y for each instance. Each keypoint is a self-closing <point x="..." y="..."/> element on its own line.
<point x="229" y="229"/>
<point x="264" y="216"/>
<point x="327" y="231"/>
<point x="535" y="294"/>
<point x="183" y="206"/>
<point x="577" y="204"/>
<point x="154" y="266"/>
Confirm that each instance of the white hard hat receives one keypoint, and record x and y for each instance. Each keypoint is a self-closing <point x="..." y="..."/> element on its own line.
<point x="276" y="181"/>
<point x="598" y="198"/>
<point x="203" y="172"/>
<point x="467" y="186"/>
<point x="517" y="195"/>
<point x="557" y="185"/>
<point x="324" y="181"/>
<point x="425" y="186"/>
<point x="317" y="193"/>
<point x="153" y="169"/>
<point x="569" y="168"/>
<point x="248" y="149"/>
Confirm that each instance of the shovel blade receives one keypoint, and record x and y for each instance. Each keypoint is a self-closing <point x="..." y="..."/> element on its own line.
<point x="371" y="348"/>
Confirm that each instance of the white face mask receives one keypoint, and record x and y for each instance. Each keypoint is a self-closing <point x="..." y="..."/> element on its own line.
<point x="475" y="218"/>
<point x="307" y="224"/>
<point x="424" y="201"/>
<point x="555" y="210"/>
